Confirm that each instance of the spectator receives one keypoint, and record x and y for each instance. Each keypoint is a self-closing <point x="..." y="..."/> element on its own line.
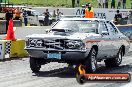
<point x="8" y="16"/>
<point x="73" y="3"/>
<point x="54" y="16"/>
<point x="25" y="15"/>
<point x="124" y="4"/>
<point x="131" y="4"/>
<point x="106" y="3"/>
<point x="130" y="18"/>
<point x="112" y="3"/>
<point x="117" y="18"/>
<point x="78" y="3"/>
<point x="99" y="3"/>
<point x="58" y="14"/>
<point x="17" y="14"/>
<point x="88" y="11"/>
<point x="46" y="19"/>
<point x="119" y="4"/>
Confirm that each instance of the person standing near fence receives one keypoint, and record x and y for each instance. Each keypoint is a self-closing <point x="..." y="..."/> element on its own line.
<point x="119" y="4"/>
<point x="25" y="16"/>
<point x="58" y="14"/>
<point x="131" y="4"/>
<point x="46" y="19"/>
<point x="117" y="18"/>
<point x="78" y="3"/>
<point x="124" y="4"/>
<point x="17" y="14"/>
<point x="8" y="16"/>
<point x="112" y="3"/>
<point x="54" y="16"/>
<point x="88" y="12"/>
<point x="73" y="3"/>
<point x="106" y="3"/>
<point x="99" y="3"/>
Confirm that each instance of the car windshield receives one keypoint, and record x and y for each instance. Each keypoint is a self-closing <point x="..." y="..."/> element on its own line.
<point x="84" y="26"/>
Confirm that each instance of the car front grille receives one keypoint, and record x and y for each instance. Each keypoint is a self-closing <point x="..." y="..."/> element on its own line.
<point x="47" y="43"/>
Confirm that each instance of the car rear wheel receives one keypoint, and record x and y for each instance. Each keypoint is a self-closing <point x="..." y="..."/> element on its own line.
<point x="34" y="65"/>
<point x="114" y="62"/>
<point x="91" y="62"/>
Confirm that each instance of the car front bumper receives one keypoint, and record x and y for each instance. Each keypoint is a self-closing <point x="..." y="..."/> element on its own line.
<point x="73" y="55"/>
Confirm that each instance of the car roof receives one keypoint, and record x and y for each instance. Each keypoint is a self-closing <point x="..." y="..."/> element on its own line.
<point x="97" y="19"/>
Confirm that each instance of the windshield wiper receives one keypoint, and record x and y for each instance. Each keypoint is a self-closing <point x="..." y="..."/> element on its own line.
<point x="66" y="30"/>
<point x="58" y="30"/>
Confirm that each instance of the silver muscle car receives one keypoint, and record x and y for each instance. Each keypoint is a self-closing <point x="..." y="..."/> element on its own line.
<point x="78" y="41"/>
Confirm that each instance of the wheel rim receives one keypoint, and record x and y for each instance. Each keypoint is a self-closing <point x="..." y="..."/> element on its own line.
<point x="93" y="60"/>
<point x="119" y="58"/>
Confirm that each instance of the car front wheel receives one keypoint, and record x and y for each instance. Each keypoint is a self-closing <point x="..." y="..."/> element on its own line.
<point x="34" y="64"/>
<point x="91" y="62"/>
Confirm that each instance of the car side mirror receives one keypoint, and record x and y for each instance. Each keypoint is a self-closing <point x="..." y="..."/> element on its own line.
<point x="105" y="33"/>
<point x="47" y="31"/>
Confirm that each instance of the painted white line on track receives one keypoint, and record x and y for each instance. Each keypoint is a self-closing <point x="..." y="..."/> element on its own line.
<point x="127" y="85"/>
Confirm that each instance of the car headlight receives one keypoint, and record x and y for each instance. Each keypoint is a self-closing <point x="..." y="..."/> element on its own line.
<point x="39" y="43"/>
<point x="32" y="42"/>
<point x="75" y="44"/>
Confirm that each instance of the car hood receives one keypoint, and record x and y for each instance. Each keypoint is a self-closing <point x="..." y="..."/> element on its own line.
<point x="71" y="36"/>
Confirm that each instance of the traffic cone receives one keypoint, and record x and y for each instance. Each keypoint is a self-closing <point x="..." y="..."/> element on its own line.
<point x="10" y="33"/>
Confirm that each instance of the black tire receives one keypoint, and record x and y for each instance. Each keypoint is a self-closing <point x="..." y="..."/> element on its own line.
<point x="34" y="65"/>
<point x="81" y="79"/>
<point x="91" y="62"/>
<point x="115" y="62"/>
<point x="77" y="70"/>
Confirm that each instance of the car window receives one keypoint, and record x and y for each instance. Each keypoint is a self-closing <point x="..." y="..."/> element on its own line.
<point x="112" y="28"/>
<point x="83" y="26"/>
<point x="88" y="27"/>
<point x="70" y="25"/>
<point x="103" y="27"/>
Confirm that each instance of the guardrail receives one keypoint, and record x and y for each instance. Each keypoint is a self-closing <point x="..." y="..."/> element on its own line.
<point x="126" y="29"/>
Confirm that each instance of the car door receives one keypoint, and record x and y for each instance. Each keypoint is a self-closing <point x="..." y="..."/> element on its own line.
<point x="115" y="37"/>
<point x="105" y="45"/>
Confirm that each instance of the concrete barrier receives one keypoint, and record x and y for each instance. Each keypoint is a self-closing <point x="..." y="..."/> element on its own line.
<point x="9" y="49"/>
<point x="17" y="23"/>
<point x="17" y="49"/>
<point x="2" y="26"/>
<point x="22" y="32"/>
<point x="4" y="49"/>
